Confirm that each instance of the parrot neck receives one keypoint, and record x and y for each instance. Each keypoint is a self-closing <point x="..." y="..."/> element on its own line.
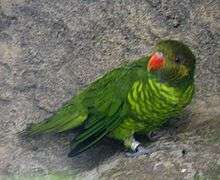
<point x="163" y="78"/>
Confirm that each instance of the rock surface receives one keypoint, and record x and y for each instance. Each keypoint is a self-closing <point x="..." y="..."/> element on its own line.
<point x="49" y="49"/>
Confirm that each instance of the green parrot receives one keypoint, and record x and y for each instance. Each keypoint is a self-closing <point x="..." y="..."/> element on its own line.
<point x="138" y="97"/>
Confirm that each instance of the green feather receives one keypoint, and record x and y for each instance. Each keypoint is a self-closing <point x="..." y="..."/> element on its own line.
<point x="69" y="116"/>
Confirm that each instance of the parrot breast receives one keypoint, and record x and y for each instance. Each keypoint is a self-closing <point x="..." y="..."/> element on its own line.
<point x="152" y="102"/>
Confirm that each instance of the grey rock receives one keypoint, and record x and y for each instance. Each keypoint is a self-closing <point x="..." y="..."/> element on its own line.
<point x="50" y="49"/>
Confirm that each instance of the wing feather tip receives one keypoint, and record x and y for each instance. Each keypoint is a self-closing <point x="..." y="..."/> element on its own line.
<point x="73" y="154"/>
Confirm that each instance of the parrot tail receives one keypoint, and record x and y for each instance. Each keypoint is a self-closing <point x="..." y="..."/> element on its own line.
<point x="68" y="117"/>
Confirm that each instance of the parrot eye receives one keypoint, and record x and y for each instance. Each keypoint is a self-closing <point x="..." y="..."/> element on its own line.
<point x="177" y="60"/>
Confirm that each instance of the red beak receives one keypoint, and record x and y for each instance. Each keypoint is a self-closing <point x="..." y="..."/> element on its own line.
<point x="156" y="62"/>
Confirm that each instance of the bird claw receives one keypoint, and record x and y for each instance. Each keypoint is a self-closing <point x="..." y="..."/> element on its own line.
<point x="155" y="135"/>
<point x="140" y="150"/>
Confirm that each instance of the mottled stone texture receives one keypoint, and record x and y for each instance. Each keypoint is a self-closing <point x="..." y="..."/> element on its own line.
<point x="51" y="48"/>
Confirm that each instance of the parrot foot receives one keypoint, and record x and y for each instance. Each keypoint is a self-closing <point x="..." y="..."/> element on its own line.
<point x="140" y="150"/>
<point x="155" y="135"/>
<point x="137" y="149"/>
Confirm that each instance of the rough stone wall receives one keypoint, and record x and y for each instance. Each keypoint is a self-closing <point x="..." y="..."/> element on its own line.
<point x="49" y="49"/>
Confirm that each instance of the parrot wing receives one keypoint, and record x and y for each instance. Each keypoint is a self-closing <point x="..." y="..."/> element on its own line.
<point x="106" y="100"/>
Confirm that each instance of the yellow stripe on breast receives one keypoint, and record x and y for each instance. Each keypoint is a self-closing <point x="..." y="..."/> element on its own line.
<point x="170" y="93"/>
<point x="131" y="101"/>
<point x="140" y="85"/>
<point x="134" y="90"/>
<point x="155" y="100"/>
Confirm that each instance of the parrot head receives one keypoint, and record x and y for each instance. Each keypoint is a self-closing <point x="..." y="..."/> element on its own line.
<point x="172" y="61"/>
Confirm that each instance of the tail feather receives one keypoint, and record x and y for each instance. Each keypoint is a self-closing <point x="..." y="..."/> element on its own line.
<point x="64" y="119"/>
<point x="51" y="126"/>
